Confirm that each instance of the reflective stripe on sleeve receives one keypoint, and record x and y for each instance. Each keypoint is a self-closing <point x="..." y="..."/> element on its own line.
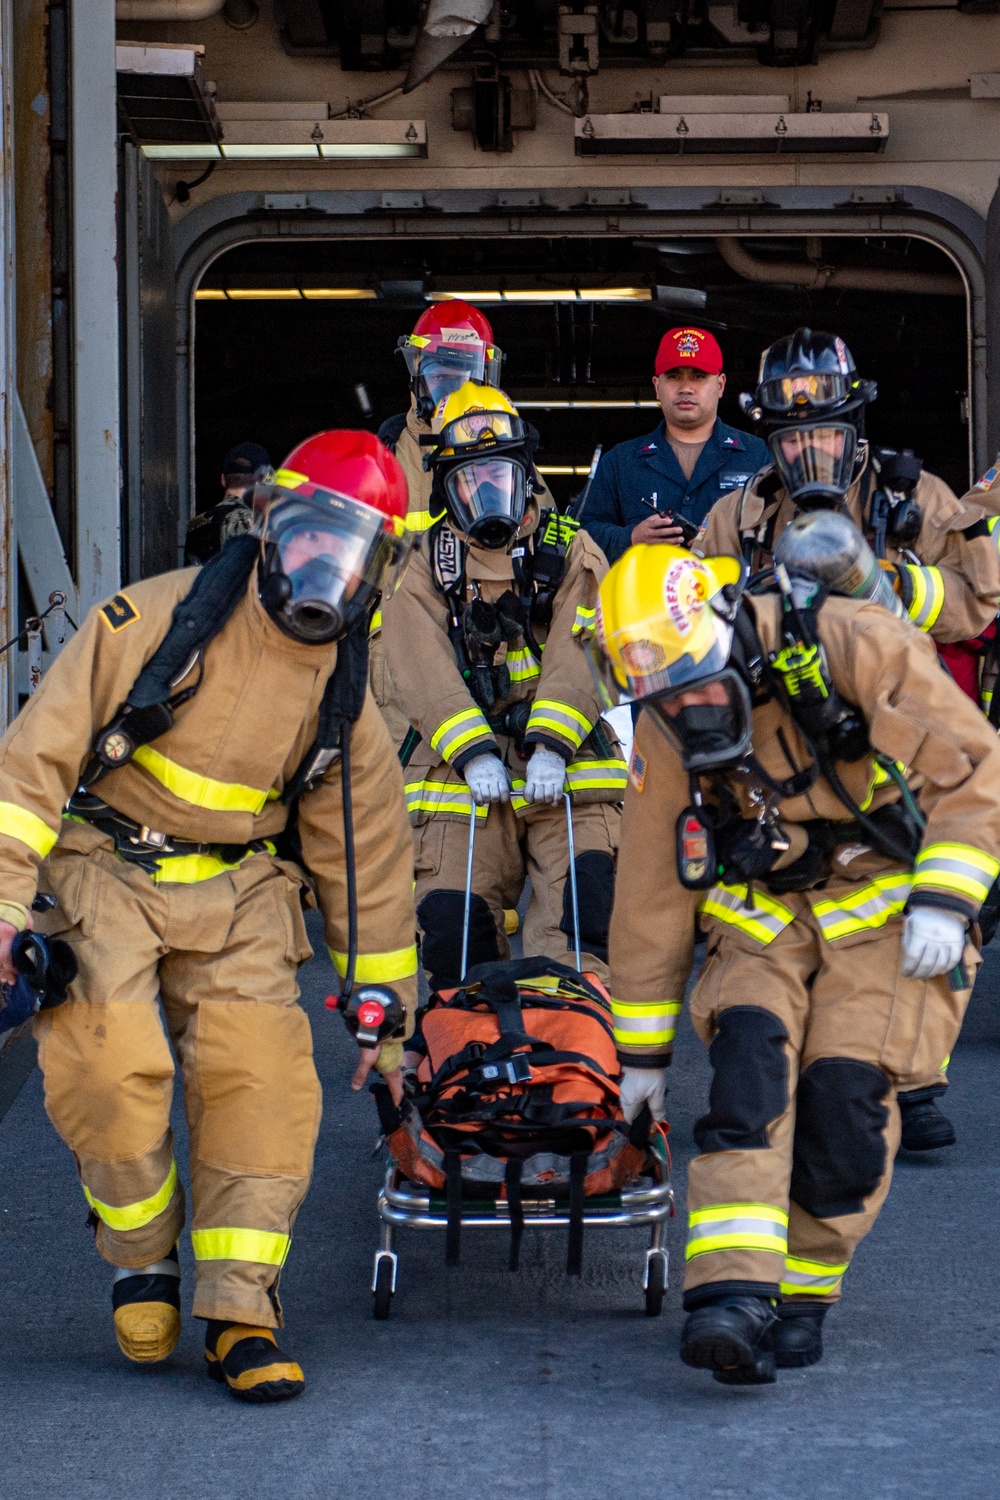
<point x="261" y="1246"/>
<point x="561" y="718"/>
<point x="763" y="921"/>
<point x="418" y="520"/>
<point x="810" y="1278"/>
<point x="585" y="620"/>
<point x="597" y="776"/>
<point x="737" y="1226"/>
<point x="522" y="666"/>
<point x="459" y="730"/>
<point x="645" y="1024"/>
<point x="956" y="867"/>
<point x="18" y="823"/>
<point x="867" y="908"/>
<point x="376" y="624"/>
<point x="928" y="595"/>
<point x="379" y="968"/>
<point x="441" y="797"/>
<point x="135" y="1215"/>
<point x="199" y="791"/>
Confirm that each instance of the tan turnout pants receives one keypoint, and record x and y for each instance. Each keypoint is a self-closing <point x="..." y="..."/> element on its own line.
<point x="222" y="956"/>
<point x="510" y="848"/>
<point x="808" y="1039"/>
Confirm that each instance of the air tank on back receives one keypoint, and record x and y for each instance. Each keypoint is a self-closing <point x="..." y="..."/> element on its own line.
<point x="827" y="546"/>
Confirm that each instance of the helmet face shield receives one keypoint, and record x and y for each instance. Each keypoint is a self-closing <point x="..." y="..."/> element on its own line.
<point x="438" y="365"/>
<point x="816" y="462"/>
<point x="486" y="497"/>
<point x="709" y="723"/>
<point x="326" y="557"/>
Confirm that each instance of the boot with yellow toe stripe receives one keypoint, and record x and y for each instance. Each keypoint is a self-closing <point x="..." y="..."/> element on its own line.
<point x="251" y="1364"/>
<point x="147" y="1306"/>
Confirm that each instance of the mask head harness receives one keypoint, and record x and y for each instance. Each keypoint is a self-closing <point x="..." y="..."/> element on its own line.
<point x="811" y="405"/>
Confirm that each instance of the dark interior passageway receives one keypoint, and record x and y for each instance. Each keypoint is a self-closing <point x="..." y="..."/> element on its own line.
<point x="293" y="337"/>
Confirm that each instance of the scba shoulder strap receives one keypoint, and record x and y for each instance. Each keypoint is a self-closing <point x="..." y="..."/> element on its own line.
<point x="198" y="618"/>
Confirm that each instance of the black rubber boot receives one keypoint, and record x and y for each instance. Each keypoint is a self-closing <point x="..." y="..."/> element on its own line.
<point x="732" y="1337"/>
<point x="798" y="1335"/>
<point x="925" y="1126"/>
<point x="249" y="1361"/>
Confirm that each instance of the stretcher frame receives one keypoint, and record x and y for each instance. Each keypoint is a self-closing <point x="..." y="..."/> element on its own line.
<point x="404" y="1204"/>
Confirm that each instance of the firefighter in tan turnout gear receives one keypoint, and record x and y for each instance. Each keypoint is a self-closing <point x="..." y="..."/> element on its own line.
<point x="484" y="639"/>
<point x="213" y="705"/>
<point x="837" y="892"/>
<point x="942" y="552"/>
<point x="451" y="342"/>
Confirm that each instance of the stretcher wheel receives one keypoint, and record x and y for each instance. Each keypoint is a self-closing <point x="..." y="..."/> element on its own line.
<point x="383" y="1287"/>
<point x="656" y="1281"/>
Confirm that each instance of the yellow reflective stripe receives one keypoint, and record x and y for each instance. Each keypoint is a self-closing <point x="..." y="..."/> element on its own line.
<point x="880" y="775"/>
<point x="441" y="797"/>
<point x="956" y="867"/>
<point x="376" y="623"/>
<point x="418" y="520"/>
<point x="135" y="1215"/>
<point x="869" y="907"/>
<point x="261" y="1246"/>
<point x="810" y="1278"/>
<point x="517" y="801"/>
<point x="190" y="869"/>
<point x="597" y="775"/>
<point x="199" y="791"/>
<point x="645" y="1025"/>
<point x="562" y="718"/>
<point x="522" y="666"/>
<point x="379" y="968"/>
<point x="585" y="620"/>
<point x="763" y="921"/>
<point x="18" y="823"/>
<point x="456" y="731"/>
<point x="928" y="595"/>
<point x="737" y="1226"/>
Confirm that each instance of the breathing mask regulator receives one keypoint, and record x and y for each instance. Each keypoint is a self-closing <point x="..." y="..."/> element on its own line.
<point x="811" y="405"/>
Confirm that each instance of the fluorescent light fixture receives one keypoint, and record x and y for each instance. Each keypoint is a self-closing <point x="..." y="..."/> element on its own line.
<point x="544" y="294"/>
<point x="163" y="59"/>
<point x="571" y="405"/>
<point x="273" y="151"/>
<point x="728" y="134"/>
<point x="284" y="294"/>
<point x="563" y="468"/>
<point x="338" y="293"/>
<point x="263" y="294"/>
<point x="182" y="151"/>
<point x="371" y="149"/>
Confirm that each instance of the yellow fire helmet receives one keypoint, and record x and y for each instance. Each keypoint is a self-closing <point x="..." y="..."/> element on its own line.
<point x="662" y="622"/>
<point x="474" y="418"/>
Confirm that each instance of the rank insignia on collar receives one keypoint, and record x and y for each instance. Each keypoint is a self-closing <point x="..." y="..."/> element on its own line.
<point x="119" y="612"/>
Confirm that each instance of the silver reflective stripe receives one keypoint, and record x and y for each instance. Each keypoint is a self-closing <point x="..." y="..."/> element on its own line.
<point x="158" y="1268"/>
<point x="810" y="1278"/>
<point x="763" y="921"/>
<point x="869" y="907"/>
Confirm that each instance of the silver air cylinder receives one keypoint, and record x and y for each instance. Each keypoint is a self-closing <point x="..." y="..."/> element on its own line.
<point x="826" y="545"/>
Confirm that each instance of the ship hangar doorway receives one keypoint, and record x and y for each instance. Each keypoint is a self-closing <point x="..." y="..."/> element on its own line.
<point x="291" y="336"/>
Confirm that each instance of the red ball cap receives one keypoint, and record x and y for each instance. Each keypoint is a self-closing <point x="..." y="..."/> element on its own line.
<point x="691" y="348"/>
<point x="352" y="463"/>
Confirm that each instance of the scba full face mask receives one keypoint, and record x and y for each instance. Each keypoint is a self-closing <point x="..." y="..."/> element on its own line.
<point x="483" y="474"/>
<point x="709" y="723"/>
<point x="324" y="560"/>
<point x="817" y="463"/>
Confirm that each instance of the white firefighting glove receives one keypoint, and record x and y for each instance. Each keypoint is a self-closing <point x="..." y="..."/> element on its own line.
<point x="641" y="1086"/>
<point x="933" y="942"/>
<point x="487" y="779"/>
<point x="543" y="780"/>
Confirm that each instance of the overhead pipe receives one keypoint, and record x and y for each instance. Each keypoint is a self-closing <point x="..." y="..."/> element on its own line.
<point x="817" y="277"/>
